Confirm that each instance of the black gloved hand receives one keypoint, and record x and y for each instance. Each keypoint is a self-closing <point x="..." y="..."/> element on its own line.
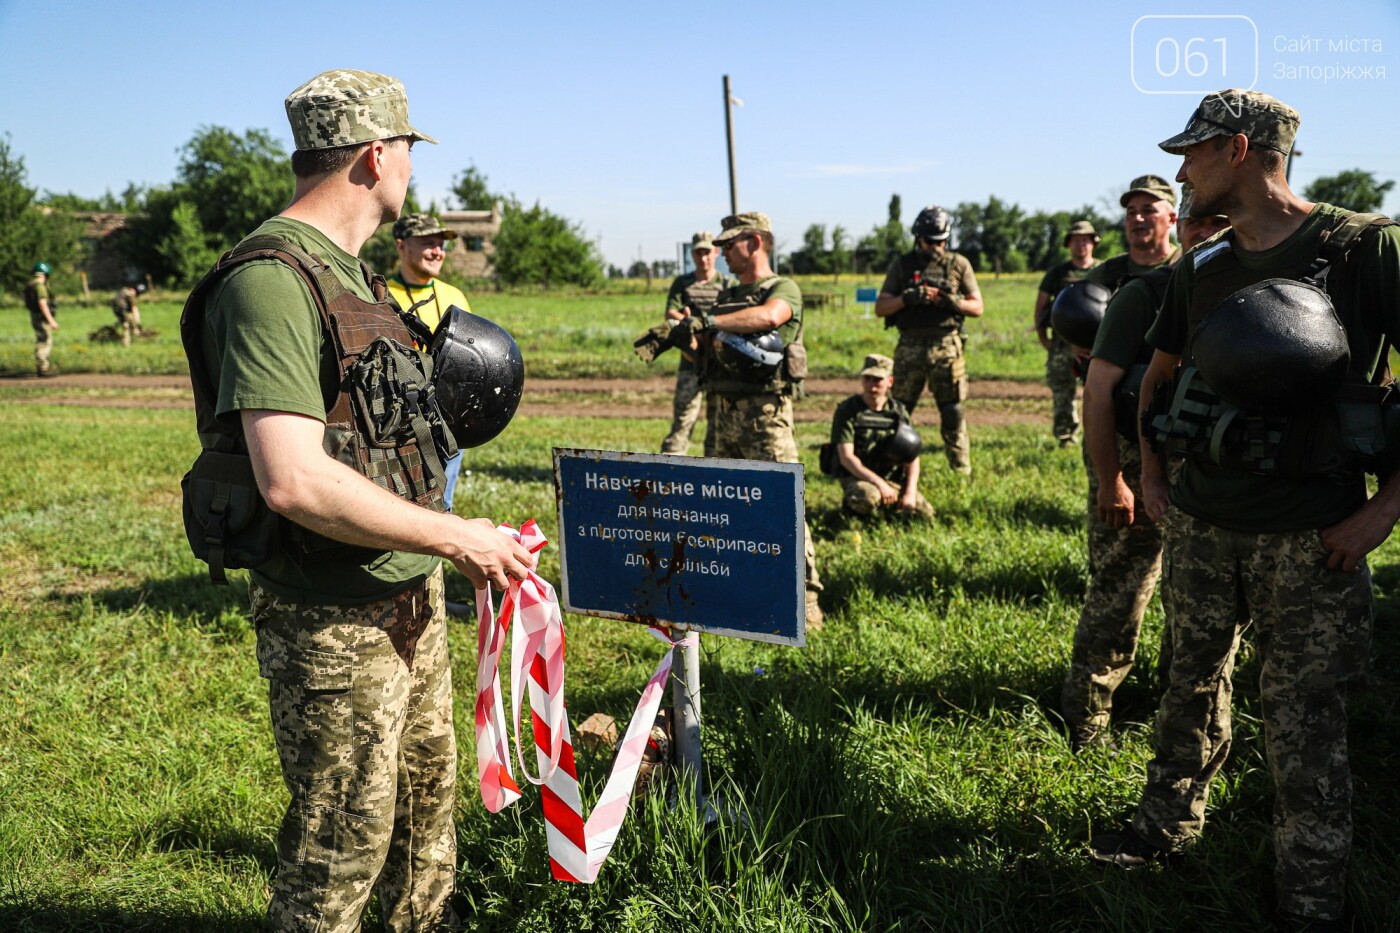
<point x="913" y="296"/>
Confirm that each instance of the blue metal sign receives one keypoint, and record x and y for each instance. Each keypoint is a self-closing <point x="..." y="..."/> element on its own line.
<point x="867" y="295"/>
<point x="715" y="545"/>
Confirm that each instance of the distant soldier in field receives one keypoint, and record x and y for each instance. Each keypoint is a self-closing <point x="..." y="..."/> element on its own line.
<point x="927" y="294"/>
<point x="753" y="360"/>
<point x="1149" y="213"/>
<point x="348" y="609"/>
<point x="1059" y="361"/>
<point x="693" y="293"/>
<point x="128" y="312"/>
<point x="1263" y="334"/>
<point x="1125" y="545"/>
<point x="877" y="462"/>
<point x="39" y="300"/>
<point x="422" y="243"/>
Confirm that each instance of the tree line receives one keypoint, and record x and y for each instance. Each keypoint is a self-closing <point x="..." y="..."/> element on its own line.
<point x="227" y="183"/>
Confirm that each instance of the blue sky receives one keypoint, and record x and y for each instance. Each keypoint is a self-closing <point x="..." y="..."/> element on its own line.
<point x="612" y="113"/>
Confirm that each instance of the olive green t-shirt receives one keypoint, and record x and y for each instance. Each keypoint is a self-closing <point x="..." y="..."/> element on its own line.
<point x="266" y="348"/>
<point x="946" y="270"/>
<point x="1122" y="335"/>
<point x="1066" y="273"/>
<point x="1366" y="294"/>
<point x="36" y="291"/>
<point x="677" y="298"/>
<point x="857" y="424"/>
<point x="774" y="286"/>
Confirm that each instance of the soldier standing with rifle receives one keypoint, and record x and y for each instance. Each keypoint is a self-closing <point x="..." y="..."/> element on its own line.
<point x="927" y="294"/>
<point x="1059" y="360"/>
<point x="693" y="293"/>
<point x="1268" y="533"/>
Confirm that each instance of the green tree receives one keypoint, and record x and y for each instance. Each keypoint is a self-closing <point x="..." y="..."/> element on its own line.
<point x="877" y="249"/>
<point x="1354" y="189"/>
<point x="472" y="192"/>
<point x="535" y="246"/>
<point x="28" y="232"/>
<point x="840" y="250"/>
<point x="185" y="246"/>
<point x="812" y="256"/>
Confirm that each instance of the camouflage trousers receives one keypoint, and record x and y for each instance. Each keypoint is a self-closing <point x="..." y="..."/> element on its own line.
<point x="937" y="362"/>
<point x="361" y="700"/>
<point x="43" y="346"/>
<point x="1059" y="376"/>
<point x="685" y="412"/>
<point x="1312" y="632"/>
<point x="1124" y="565"/>
<point x="861" y="498"/>
<point x="759" y="427"/>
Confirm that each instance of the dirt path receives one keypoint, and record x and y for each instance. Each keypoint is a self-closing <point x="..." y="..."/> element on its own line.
<point x="992" y="402"/>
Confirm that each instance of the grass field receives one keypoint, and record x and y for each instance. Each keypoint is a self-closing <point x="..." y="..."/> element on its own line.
<point x="575" y="335"/>
<point x="906" y="771"/>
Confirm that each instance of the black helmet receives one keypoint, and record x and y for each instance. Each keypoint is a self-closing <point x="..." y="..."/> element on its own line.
<point x="1078" y="311"/>
<point x="902" y="446"/>
<point x="478" y="376"/>
<point x="1273" y="346"/>
<point x="933" y="223"/>
<point x="752" y="355"/>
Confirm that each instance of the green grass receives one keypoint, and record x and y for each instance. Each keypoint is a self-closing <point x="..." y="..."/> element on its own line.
<point x="905" y="771"/>
<point x="569" y="334"/>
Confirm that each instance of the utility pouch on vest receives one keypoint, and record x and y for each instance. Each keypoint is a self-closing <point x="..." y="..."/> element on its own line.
<point x="228" y="524"/>
<point x="795" y="359"/>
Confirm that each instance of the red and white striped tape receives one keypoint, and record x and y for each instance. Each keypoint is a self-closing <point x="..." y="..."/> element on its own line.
<point x="577" y="848"/>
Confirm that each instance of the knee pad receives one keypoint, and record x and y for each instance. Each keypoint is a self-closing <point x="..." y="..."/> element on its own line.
<point x="952" y="415"/>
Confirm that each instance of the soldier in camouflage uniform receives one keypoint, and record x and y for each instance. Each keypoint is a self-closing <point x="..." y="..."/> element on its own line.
<point x="1059" y="359"/>
<point x="927" y="294"/>
<point x="862" y="423"/>
<point x="127" y="312"/>
<point x="1125" y="546"/>
<point x="753" y="408"/>
<point x="1282" y="555"/>
<point x="693" y="293"/>
<point x="352" y="640"/>
<point x="39" y="302"/>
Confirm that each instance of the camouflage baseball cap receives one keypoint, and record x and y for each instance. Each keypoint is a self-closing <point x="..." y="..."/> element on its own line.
<point x="878" y="365"/>
<point x="702" y="241"/>
<point x="346" y="108"/>
<point x="1155" y="185"/>
<point x="421" y="225"/>
<point x="1266" y="121"/>
<point x="737" y="225"/>
<point x="1082" y="228"/>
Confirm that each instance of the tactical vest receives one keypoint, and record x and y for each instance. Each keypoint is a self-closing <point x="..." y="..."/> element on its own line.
<point x="702" y="296"/>
<point x="1357" y="430"/>
<point x="871" y="428"/>
<point x="732" y="382"/>
<point x="915" y="268"/>
<point x="382" y="420"/>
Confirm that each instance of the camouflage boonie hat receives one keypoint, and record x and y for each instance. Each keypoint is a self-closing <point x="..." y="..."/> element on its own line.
<point x="878" y="365"/>
<point x="737" y="225"/>
<point x="421" y="225"/>
<point x="1266" y="121"/>
<point x="1082" y="228"/>
<point x="702" y="240"/>
<point x="1155" y="185"/>
<point x="346" y="108"/>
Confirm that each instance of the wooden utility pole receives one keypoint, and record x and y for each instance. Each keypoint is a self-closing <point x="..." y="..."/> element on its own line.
<point x="729" y="141"/>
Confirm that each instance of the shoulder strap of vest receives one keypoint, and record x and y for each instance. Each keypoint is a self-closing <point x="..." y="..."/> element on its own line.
<point x="1334" y="248"/>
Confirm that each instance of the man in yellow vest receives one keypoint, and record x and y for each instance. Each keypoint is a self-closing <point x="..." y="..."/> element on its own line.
<point x="422" y="243"/>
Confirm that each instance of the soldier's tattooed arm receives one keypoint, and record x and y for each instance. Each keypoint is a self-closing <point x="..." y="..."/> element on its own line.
<point x="299" y="481"/>
<point x="1154" y="474"/>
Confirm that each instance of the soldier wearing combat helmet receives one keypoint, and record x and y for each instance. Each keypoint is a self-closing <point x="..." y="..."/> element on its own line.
<point x="753" y="360"/>
<point x="927" y="294"/>
<point x="1258" y="540"/>
<point x="348" y="607"/>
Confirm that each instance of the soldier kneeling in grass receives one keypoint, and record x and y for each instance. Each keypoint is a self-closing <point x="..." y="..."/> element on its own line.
<point x="874" y="450"/>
